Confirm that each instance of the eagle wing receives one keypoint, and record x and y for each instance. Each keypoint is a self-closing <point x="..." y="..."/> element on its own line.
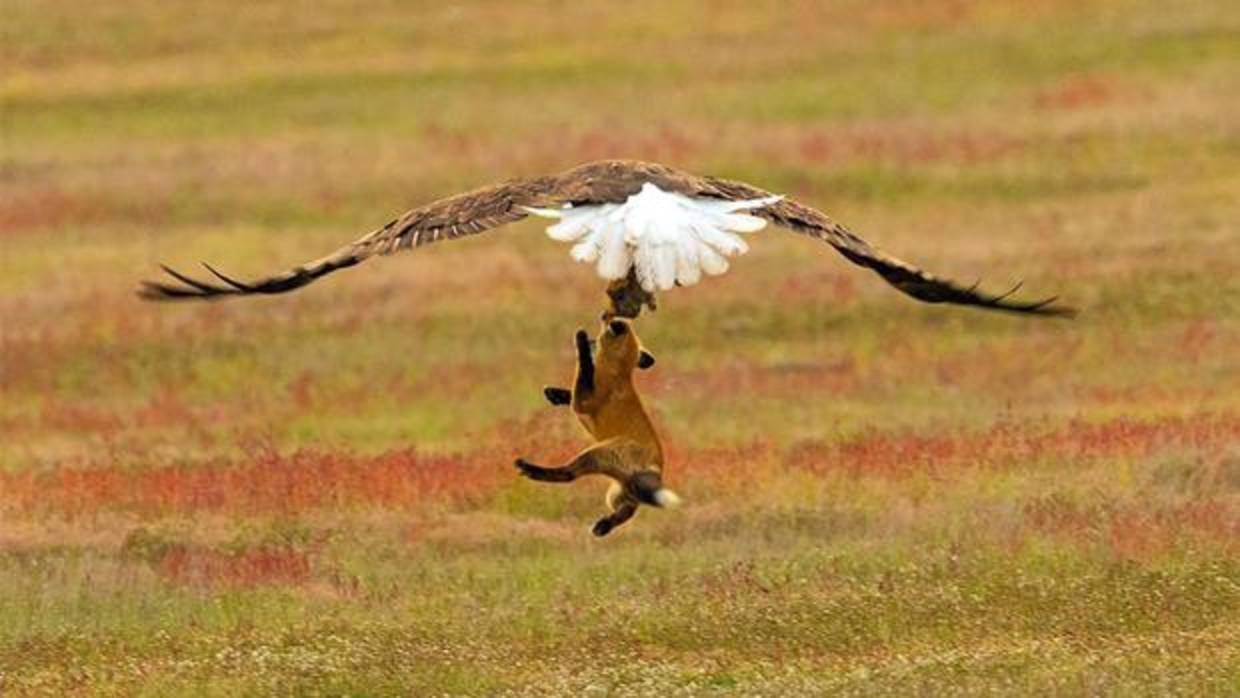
<point x="908" y="278"/>
<point x="447" y="219"/>
<point x="602" y="182"/>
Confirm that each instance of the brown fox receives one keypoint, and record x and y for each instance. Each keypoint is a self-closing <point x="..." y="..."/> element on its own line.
<point x="627" y="449"/>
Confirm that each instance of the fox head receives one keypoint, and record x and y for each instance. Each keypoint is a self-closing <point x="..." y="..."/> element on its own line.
<point x="620" y="349"/>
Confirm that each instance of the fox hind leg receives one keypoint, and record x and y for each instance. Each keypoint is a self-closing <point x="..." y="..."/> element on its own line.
<point x="587" y="463"/>
<point x="606" y="524"/>
<point x="622" y="509"/>
<point x="542" y="474"/>
<point x="612" y="458"/>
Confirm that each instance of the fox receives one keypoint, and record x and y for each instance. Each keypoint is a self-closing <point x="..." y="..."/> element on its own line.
<point x="627" y="448"/>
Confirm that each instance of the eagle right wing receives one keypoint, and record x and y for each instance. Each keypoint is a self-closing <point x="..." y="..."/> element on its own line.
<point x="447" y="219"/>
<point x="908" y="278"/>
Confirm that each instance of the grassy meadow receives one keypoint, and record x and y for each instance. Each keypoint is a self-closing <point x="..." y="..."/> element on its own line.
<point x="313" y="494"/>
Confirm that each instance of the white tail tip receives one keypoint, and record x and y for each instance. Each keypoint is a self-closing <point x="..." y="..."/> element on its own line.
<point x="666" y="498"/>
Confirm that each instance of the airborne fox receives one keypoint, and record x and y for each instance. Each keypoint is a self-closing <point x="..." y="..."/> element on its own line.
<point x="627" y="449"/>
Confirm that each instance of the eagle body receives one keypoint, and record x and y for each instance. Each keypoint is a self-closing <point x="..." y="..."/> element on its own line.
<point x="668" y="239"/>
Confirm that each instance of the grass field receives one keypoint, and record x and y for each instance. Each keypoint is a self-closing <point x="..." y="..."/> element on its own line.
<point x="313" y="494"/>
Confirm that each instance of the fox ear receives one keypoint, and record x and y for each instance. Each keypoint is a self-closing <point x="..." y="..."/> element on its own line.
<point x="645" y="360"/>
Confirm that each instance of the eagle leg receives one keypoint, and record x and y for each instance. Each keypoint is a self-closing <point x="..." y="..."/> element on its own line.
<point x="627" y="297"/>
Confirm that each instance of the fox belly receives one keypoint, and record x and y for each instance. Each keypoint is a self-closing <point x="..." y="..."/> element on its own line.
<point x="627" y="420"/>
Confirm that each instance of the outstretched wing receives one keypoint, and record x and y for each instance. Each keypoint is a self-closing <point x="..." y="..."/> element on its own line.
<point x="602" y="182"/>
<point x="457" y="216"/>
<point x="906" y="277"/>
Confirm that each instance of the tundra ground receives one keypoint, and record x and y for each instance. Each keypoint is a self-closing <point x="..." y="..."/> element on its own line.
<point x="313" y="494"/>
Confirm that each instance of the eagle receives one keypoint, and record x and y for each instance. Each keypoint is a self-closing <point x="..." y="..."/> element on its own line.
<point x="647" y="227"/>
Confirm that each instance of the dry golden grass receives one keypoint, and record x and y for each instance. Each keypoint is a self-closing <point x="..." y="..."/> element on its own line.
<point x="312" y="494"/>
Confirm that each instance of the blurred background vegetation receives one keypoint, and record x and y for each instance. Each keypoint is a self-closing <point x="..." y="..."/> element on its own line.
<point x="312" y="493"/>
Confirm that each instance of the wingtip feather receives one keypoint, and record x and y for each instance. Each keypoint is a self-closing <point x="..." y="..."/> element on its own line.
<point x="231" y="282"/>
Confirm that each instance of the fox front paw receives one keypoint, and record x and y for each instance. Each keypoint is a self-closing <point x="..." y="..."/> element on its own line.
<point x="558" y="396"/>
<point x="602" y="527"/>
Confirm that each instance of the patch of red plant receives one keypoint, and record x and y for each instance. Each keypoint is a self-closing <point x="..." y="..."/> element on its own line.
<point x="721" y="467"/>
<point x="43" y="209"/>
<point x="163" y="409"/>
<point x="833" y="377"/>
<point x="1143" y="395"/>
<point x="905" y="146"/>
<point x="1134" y="533"/>
<point x="797" y="287"/>
<point x="78" y="419"/>
<point x="899" y="455"/>
<point x="248" y="568"/>
<point x="267" y="483"/>
<point x="1057" y="515"/>
<point x="1197" y="339"/>
<point x="911" y="15"/>
<point x="1136" y="536"/>
<point x="1079" y="92"/>
<point x="663" y="145"/>
<point x="273" y="482"/>
<point x="57" y="209"/>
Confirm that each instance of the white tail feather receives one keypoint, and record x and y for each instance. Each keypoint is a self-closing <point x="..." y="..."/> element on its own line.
<point x="617" y="256"/>
<point x="670" y="238"/>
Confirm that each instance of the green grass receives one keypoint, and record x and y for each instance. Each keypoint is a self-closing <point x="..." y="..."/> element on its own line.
<point x="312" y="494"/>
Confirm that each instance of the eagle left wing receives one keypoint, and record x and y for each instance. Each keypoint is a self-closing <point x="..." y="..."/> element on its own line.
<point x="908" y="278"/>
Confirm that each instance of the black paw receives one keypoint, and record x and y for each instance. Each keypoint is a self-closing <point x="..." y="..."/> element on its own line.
<point x="527" y="469"/>
<point x="537" y="472"/>
<point x="602" y="527"/>
<point x="558" y="396"/>
<point x="645" y="360"/>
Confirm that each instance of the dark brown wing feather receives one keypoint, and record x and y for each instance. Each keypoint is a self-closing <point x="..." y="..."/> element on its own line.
<point x="909" y="279"/>
<point x="457" y="216"/>
<point x="605" y="181"/>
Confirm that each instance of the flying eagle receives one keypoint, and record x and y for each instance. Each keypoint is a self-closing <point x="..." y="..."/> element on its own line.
<point x="648" y="227"/>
